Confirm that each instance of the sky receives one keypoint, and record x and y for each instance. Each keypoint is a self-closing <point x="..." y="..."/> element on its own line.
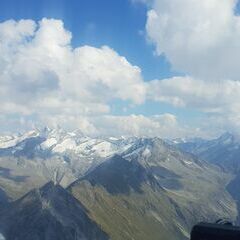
<point x="164" y="68"/>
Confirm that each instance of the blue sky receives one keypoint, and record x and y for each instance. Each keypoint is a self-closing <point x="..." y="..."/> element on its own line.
<point x="193" y="41"/>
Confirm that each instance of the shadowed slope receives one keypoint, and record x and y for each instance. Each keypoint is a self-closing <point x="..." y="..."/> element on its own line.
<point x="118" y="175"/>
<point x="48" y="213"/>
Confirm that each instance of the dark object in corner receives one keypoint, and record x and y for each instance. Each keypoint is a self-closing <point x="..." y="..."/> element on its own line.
<point x="214" y="231"/>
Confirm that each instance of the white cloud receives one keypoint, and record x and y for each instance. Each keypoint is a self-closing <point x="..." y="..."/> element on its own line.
<point x="218" y="100"/>
<point x="12" y="32"/>
<point x="164" y="126"/>
<point x="210" y="97"/>
<point x="40" y="60"/>
<point x="42" y="75"/>
<point x="200" y="38"/>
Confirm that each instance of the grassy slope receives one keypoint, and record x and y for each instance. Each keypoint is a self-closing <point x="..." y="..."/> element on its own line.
<point x="138" y="216"/>
<point x="21" y="177"/>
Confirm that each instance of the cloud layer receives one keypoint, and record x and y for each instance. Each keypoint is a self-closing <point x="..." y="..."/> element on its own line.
<point x="44" y="80"/>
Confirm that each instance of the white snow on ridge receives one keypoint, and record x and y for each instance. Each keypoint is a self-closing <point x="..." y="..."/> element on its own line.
<point x="60" y="141"/>
<point x="67" y="144"/>
<point x="104" y="149"/>
<point x="48" y="143"/>
<point x="146" y="152"/>
<point x="188" y="162"/>
<point x="2" y="237"/>
<point x="113" y="138"/>
<point x="11" y="141"/>
<point x="82" y="146"/>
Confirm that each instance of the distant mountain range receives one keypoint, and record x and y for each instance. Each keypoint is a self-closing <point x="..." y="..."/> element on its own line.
<point x="223" y="151"/>
<point x="113" y="188"/>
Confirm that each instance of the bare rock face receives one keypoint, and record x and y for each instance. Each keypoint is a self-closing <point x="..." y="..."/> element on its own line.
<point x="48" y="213"/>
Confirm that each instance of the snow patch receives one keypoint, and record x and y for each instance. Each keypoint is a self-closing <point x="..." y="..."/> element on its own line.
<point x="146" y="152"/>
<point x="2" y="237"/>
<point x="67" y="144"/>
<point x="188" y="162"/>
<point x="48" y="143"/>
<point x="7" y="142"/>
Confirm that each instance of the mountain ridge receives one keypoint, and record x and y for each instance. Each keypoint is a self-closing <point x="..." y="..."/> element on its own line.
<point x="49" y="212"/>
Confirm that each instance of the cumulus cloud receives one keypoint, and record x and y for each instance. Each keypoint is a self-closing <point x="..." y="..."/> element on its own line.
<point x="165" y="125"/>
<point x="37" y="60"/>
<point x="200" y="38"/>
<point x="43" y="76"/>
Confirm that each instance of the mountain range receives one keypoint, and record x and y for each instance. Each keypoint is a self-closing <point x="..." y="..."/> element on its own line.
<point x="120" y="188"/>
<point x="223" y="151"/>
